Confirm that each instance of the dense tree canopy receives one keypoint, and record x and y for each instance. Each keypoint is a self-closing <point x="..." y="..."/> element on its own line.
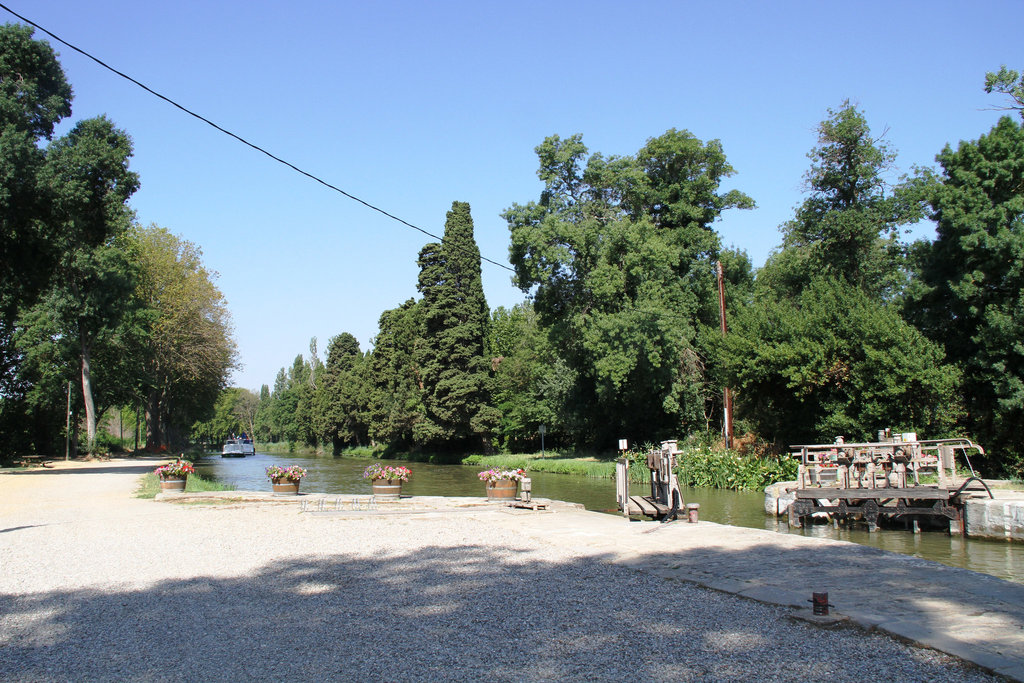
<point x="190" y="350"/>
<point x="341" y="395"/>
<point x="34" y="96"/>
<point x="848" y="227"/>
<point x="832" y="362"/>
<point x="619" y="337"/>
<point x="618" y="256"/>
<point x="821" y="351"/>
<point x="395" y="399"/>
<point x="970" y="294"/>
<point x="453" y="370"/>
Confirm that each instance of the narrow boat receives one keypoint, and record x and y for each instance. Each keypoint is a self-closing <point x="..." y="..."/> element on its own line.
<point x="238" y="447"/>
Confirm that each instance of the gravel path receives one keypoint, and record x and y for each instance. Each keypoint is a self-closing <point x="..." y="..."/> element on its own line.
<point x="96" y="585"/>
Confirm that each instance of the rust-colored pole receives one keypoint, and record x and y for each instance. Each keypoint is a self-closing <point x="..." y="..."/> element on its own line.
<point x="727" y="396"/>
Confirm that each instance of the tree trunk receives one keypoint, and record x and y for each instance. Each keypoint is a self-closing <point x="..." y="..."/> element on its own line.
<point x="154" y="437"/>
<point x="90" y="406"/>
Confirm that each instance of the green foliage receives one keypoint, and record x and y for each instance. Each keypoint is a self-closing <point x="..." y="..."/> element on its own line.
<point x="149" y="485"/>
<point x="189" y="351"/>
<point x="228" y="417"/>
<point x="970" y="296"/>
<point x="341" y="398"/>
<point x="618" y="256"/>
<point x="848" y="227"/>
<point x="1009" y="83"/>
<point x="454" y="373"/>
<point x="85" y="183"/>
<point x="833" y="361"/>
<point x="531" y="383"/>
<point x="395" y="399"/>
<point x="726" y="469"/>
<point x="34" y="96"/>
<point x="286" y="415"/>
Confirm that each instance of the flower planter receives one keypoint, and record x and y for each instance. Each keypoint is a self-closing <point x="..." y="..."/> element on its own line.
<point x="502" y="489"/>
<point x="387" y="489"/>
<point x="286" y="487"/>
<point x="173" y="484"/>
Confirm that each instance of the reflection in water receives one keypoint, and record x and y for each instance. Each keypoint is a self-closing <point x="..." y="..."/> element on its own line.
<point x="345" y="475"/>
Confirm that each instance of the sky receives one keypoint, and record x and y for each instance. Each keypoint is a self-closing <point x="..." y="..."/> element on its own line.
<point x="410" y="106"/>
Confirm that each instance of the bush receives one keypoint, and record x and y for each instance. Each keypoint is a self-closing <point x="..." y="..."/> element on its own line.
<point x="726" y="469"/>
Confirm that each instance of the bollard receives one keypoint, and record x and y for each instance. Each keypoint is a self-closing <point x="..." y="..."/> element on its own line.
<point x="692" y="512"/>
<point x="820" y="601"/>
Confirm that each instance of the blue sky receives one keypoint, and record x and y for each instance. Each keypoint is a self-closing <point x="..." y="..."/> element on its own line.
<point x="411" y="105"/>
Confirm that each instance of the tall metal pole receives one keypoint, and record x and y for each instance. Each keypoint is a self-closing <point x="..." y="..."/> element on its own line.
<point x="727" y="397"/>
<point x="67" y="427"/>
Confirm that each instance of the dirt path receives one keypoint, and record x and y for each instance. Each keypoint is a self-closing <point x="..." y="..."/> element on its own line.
<point x="69" y="490"/>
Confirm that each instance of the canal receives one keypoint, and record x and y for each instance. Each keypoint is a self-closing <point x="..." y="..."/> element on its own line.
<point x="746" y="509"/>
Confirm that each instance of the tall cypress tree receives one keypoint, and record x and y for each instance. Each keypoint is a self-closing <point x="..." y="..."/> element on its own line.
<point x="455" y="372"/>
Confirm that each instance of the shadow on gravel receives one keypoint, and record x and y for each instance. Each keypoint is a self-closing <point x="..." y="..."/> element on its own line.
<point x="441" y="613"/>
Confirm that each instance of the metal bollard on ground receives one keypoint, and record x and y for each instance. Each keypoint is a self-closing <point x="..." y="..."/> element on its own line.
<point x="692" y="512"/>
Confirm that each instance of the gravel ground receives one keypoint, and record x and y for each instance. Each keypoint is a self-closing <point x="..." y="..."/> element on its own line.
<point x="99" y="586"/>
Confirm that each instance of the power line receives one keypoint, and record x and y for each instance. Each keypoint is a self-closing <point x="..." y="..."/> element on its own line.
<point x="238" y="137"/>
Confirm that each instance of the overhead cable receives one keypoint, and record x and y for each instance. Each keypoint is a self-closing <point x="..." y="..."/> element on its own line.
<point x="238" y="137"/>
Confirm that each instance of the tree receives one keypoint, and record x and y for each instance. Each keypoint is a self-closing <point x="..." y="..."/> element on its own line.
<point x="190" y="351"/>
<point x="225" y="420"/>
<point x="341" y="397"/>
<point x="62" y="214"/>
<point x="532" y="385"/>
<point x="244" y="410"/>
<point x="618" y="257"/>
<point x="1009" y="83"/>
<point x="34" y="96"/>
<point x="832" y="362"/>
<point x="849" y="225"/>
<point x="971" y="292"/>
<point x="87" y="185"/>
<point x="821" y="351"/>
<point x="396" y="397"/>
<point x="455" y="378"/>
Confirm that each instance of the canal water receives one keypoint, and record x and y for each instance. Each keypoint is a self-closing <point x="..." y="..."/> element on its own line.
<point x="345" y="475"/>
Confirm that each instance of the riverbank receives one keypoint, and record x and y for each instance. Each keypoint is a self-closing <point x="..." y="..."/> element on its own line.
<point x="100" y="585"/>
<point x="699" y="466"/>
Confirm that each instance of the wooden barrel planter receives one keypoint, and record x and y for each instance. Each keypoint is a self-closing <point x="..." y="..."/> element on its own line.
<point x="387" y="489"/>
<point x="286" y="487"/>
<point x="175" y="485"/>
<point x="503" y="489"/>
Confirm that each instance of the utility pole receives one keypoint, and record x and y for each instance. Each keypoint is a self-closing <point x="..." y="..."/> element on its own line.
<point x="67" y="427"/>
<point x="727" y="396"/>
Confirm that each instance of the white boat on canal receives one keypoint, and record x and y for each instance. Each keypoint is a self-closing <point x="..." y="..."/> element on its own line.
<point x="238" y="447"/>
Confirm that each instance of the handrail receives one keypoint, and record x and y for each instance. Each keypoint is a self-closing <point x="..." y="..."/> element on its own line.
<point x="963" y="487"/>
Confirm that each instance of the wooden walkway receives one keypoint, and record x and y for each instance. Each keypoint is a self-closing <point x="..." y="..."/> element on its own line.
<point x="648" y="507"/>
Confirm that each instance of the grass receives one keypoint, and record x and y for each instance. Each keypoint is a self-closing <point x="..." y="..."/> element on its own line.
<point x="149" y="485"/>
<point x="555" y="463"/>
